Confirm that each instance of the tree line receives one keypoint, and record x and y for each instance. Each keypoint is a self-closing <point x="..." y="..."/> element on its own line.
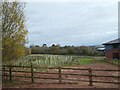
<point x="65" y="50"/>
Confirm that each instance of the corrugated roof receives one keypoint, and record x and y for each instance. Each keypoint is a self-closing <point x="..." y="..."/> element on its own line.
<point x="113" y="41"/>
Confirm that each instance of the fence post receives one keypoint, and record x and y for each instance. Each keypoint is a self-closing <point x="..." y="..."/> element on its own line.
<point x="3" y="70"/>
<point x="118" y="63"/>
<point x="60" y="78"/>
<point x="32" y="74"/>
<point x="90" y="77"/>
<point x="10" y="73"/>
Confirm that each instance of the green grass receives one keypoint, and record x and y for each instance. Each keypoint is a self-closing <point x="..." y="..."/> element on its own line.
<point x="85" y="61"/>
<point x="55" y="60"/>
<point x="88" y="61"/>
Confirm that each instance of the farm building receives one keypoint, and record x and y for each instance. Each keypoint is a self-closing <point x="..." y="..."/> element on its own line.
<point x="112" y="49"/>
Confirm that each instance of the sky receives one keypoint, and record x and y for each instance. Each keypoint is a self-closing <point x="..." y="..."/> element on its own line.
<point x="71" y="23"/>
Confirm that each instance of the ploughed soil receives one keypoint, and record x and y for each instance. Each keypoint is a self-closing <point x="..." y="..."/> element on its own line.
<point x="47" y="83"/>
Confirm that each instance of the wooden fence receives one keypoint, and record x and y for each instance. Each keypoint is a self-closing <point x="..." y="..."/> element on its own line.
<point x="12" y="73"/>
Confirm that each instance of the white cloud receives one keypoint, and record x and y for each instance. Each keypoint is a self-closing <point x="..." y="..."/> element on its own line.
<point x="66" y="0"/>
<point x="71" y="23"/>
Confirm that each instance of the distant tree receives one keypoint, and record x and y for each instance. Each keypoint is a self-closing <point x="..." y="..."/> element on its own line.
<point x="36" y="45"/>
<point x="66" y="50"/>
<point x="44" y="45"/>
<point x="27" y="51"/>
<point x="53" y="45"/>
<point x="13" y="30"/>
<point x="84" y="50"/>
<point x="70" y="50"/>
<point x="31" y="46"/>
<point x="58" y="45"/>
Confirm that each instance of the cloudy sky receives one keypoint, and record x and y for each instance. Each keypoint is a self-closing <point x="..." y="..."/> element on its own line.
<point x="71" y="23"/>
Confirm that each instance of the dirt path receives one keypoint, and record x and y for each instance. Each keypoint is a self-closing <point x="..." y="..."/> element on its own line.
<point x="98" y="65"/>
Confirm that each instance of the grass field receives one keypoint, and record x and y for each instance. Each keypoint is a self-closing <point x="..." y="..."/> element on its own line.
<point x="87" y="60"/>
<point x="54" y="60"/>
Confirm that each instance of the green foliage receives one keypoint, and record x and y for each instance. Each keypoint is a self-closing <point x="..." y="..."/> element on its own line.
<point x="27" y="51"/>
<point x="13" y="30"/>
<point x="65" y="50"/>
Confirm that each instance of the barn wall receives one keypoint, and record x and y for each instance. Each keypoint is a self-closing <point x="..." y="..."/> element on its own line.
<point x="119" y="46"/>
<point x="109" y="50"/>
<point x="108" y="54"/>
<point x="119" y="53"/>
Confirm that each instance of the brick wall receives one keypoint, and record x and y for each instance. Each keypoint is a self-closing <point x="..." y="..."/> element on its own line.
<point x="109" y="53"/>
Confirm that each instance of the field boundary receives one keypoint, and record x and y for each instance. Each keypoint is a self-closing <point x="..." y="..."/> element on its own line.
<point x="8" y="71"/>
<point x="113" y="61"/>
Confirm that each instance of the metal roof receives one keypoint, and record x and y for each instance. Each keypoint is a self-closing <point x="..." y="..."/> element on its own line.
<point x="113" y="42"/>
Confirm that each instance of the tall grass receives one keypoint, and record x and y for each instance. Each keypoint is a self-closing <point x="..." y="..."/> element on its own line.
<point x="53" y="60"/>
